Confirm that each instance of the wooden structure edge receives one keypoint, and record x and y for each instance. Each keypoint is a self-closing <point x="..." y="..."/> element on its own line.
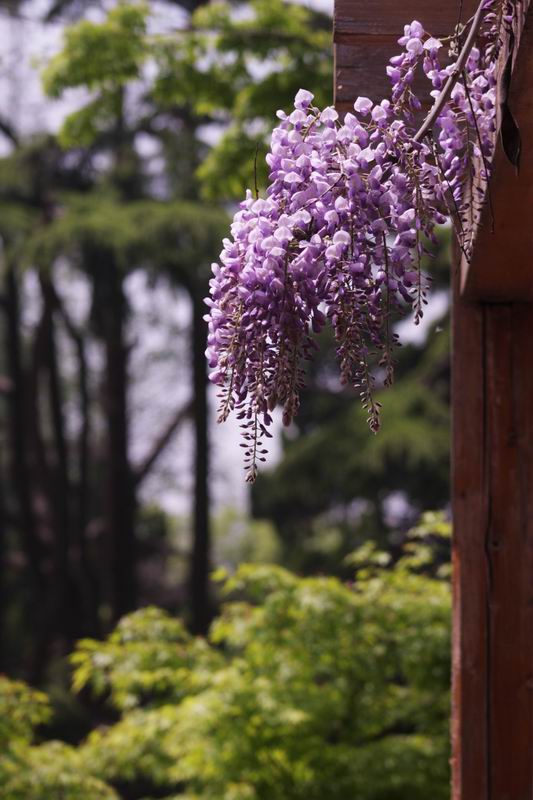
<point x="492" y="410"/>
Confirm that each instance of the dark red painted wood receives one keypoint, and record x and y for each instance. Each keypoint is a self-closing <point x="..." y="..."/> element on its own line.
<point x="492" y="729"/>
<point x="493" y="551"/>
<point x="509" y="480"/>
<point x="355" y="18"/>
<point x="360" y="70"/>
<point x="470" y="607"/>
<point x="365" y="37"/>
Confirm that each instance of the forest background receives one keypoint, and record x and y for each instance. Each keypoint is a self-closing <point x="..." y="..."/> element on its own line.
<point x="128" y="132"/>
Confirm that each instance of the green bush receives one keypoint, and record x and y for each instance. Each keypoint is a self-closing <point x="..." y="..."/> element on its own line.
<point x="306" y="688"/>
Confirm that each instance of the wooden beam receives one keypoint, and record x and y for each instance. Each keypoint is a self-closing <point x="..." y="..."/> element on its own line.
<point x="365" y="36"/>
<point x="492" y="728"/>
<point x="501" y="268"/>
<point x="355" y="19"/>
<point x="470" y="603"/>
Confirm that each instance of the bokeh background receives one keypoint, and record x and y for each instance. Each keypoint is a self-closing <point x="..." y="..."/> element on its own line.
<point x="315" y="665"/>
<point x="128" y="132"/>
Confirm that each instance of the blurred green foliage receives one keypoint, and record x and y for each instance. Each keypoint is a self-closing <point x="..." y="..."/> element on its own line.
<point x="41" y="771"/>
<point x="232" y="67"/>
<point x="306" y="688"/>
<point x="174" y="238"/>
<point x="96" y="55"/>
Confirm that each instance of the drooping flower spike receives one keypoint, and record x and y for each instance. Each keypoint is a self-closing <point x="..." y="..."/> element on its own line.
<point x="340" y="236"/>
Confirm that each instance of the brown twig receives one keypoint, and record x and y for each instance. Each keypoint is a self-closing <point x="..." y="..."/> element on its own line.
<point x="444" y="96"/>
<point x="161" y="442"/>
<point x="486" y="166"/>
<point x="256" y="187"/>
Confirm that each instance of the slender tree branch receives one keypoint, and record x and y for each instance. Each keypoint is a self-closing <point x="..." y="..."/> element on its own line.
<point x="486" y="166"/>
<point x="447" y="89"/>
<point x="161" y="442"/>
<point x="9" y="131"/>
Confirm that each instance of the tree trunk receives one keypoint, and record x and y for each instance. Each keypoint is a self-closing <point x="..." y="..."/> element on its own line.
<point x="120" y="490"/>
<point x="3" y="575"/>
<point x="91" y="592"/>
<point x="20" y="471"/>
<point x="67" y="611"/>
<point x="201" y="611"/>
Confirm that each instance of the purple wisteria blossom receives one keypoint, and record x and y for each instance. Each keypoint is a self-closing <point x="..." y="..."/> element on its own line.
<point x="340" y="236"/>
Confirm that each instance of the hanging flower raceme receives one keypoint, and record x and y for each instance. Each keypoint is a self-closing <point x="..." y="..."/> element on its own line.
<point x="340" y="236"/>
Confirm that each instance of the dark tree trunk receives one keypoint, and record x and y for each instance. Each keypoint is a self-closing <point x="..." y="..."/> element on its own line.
<point x="3" y="575"/>
<point x="201" y="611"/>
<point x="67" y="611"/>
<point x="89" y="587"/>
<point x="20" y="470"/>
<point x="120" y="490"/>
<point x="18" y="431"/>
<point x="47" y="519"/>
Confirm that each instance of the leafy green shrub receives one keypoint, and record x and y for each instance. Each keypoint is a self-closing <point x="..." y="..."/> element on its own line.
<point x="307" y="688"/>
<point x="39" y="772"/>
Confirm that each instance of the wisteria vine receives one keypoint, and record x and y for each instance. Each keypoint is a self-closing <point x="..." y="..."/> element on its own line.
<point x="350" y="210"/>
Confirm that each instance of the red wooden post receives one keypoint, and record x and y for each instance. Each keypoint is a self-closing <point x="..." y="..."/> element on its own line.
<point x="492" y="714"/>
<point x="492" y="725"/>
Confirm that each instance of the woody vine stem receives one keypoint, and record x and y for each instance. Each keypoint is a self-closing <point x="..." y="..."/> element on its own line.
<point x="445" y="93"/>
<point x="350" y="212"/>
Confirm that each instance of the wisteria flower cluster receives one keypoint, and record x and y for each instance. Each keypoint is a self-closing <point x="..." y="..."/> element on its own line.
<point x="339" y="238"/>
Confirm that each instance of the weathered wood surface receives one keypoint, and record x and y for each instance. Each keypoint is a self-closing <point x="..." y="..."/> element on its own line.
<point x="354" y="19"/>
<point x="492" y="727"/>
<point x="365" y="37"/>
<point x="360" y="70"/>
<point x="470" y="608"/>
<point x="492" y="718"/>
